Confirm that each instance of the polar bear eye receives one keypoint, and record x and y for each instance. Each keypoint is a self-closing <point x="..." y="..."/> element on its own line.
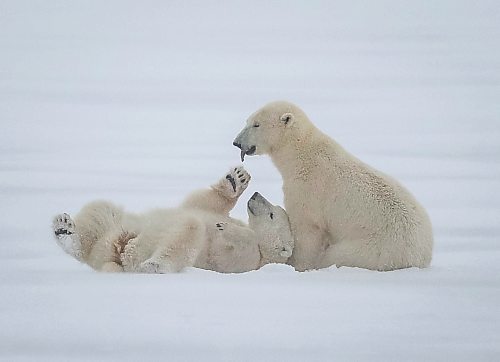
<point x="271" y="215"/>
<point x="256" y="125"/>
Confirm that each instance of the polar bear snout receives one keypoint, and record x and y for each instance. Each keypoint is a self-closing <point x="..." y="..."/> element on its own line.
<point x="241" y="140"/>
<point x="244" y="145"/>
<point x="258" y="205"/>
<point x="255" y="196"/>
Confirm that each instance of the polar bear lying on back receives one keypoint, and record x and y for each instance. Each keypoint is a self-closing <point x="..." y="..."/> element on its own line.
<point x="342" y="211"/>
<point x="199" y="233"/>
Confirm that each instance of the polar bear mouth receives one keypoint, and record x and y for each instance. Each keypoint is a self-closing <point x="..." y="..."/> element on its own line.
<point x="248" y="152"/>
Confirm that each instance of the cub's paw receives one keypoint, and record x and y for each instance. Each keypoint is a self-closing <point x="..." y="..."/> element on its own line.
<point x="65" y="233"/>
<point x="63" y="226"/>
<point x="221" y="226"/>
<point x="235" y="182"/>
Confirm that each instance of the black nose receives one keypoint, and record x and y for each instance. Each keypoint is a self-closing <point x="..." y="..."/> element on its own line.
<point x="254" y="196"/>
<point x="237" y="144"/>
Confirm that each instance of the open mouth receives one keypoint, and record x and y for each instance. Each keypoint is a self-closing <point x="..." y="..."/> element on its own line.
<point x="248" y="152"/>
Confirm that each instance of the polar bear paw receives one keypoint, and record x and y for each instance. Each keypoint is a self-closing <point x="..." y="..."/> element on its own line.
<point x="63" y="226"/>
<point x="235" y="182"/>
<point x="64" y="229"/>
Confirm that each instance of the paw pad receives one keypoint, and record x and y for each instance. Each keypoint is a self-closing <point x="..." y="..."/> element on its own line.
<point x="63" y="225"/>
<point x="238" y="179"/>
<point x="232" y="181"/>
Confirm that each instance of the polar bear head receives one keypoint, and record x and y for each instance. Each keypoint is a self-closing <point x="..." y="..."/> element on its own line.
<point x="270" y="128"/>
<point x="270" y="223"/>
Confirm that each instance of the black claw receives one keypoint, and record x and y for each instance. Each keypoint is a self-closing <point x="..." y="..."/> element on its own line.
<point x="243" y="180"/>
<point x="233" y="182"/>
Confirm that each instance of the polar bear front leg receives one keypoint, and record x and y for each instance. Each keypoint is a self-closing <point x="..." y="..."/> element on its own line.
<point x="234" y="183"/>
<point x="223" y="195"/>
<point x="308" y="246"/>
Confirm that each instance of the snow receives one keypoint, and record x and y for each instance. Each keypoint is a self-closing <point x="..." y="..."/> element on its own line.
<point x="138" y="103"/>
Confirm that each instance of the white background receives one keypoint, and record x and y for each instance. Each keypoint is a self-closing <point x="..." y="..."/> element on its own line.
<point x="139" y="102"/>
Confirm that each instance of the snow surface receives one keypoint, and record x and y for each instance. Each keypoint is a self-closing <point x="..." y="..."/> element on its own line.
<point x="138" y="102"/>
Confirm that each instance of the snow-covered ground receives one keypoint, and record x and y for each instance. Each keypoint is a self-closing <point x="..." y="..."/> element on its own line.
<point x="138" y="102"/>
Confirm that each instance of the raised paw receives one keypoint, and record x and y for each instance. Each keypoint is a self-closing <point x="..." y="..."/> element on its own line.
<point x="63" y="226"/>
<point x="237" y="181"/>
<point x="65" y="233"/>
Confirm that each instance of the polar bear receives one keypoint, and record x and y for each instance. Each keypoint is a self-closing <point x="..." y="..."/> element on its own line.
<point x="199" y="233"/>
<point x="342" y="211"/>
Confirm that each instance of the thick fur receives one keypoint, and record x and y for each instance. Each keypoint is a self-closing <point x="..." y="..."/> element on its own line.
<point x="342" y="211"/>
<point x="199" y="233"/>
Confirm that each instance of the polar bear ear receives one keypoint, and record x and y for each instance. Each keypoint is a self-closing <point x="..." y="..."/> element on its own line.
<point x="287" y="118"/>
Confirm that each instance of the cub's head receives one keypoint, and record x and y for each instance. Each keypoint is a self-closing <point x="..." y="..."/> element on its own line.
<point x="271" y="224"/>
<point x="269" y="128"/>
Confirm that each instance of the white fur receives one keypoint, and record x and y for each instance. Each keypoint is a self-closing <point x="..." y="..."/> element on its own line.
<point x="342" y="211"/>
<point x="199" y="233"/>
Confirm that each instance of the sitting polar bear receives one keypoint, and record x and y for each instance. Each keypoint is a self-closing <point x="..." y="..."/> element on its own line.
<point x="342" y="211"/>
<point x="199" y="233"/>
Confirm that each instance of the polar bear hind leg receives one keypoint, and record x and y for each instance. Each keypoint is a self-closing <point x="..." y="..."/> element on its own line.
<point x="90" y="236"/>
<point x="96" y="219"/>
<point x="309" y="244"/>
